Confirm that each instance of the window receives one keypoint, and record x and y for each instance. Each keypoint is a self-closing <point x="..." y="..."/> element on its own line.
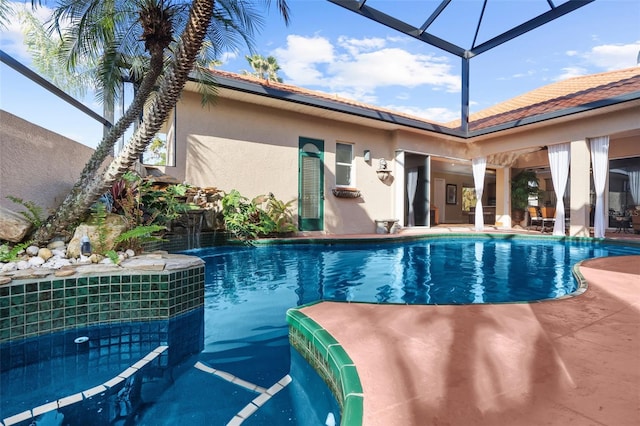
<point x="344" y="165"/>
<point x="156" y="152"/>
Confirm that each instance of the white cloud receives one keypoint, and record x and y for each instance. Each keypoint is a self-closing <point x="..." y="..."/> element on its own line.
<point x="614" y="56"/>
<point x="12" y="40"/>
<point x="357" y="68"/>
<point x="569" y="72"/>
<point x="303" y="57"/>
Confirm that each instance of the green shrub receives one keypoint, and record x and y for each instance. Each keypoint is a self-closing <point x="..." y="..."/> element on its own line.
<point x="10" y="254"/>
<point x="34" y="213"/>
<point x="247" y="219"/>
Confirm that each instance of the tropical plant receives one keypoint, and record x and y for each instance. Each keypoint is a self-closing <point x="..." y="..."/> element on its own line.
<point x="156" y="153"/>
<point x="263" y="68"/>
<point x="33" y="214"/>
<point x="5" y="12"/>
<point x="136" y="237"/>
<point x="241" y="216"/>
<point x="156" y="24"/>
<point x="281" y="215"/>
<point x="248" y="219"/>
<point x="10" y="254"/>
<point x="99" y="219"/>
<point x="140" y="203"/>
<point x="524" y="186"/>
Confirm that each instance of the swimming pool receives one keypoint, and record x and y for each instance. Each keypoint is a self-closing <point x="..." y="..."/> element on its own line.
<point x="429" y="271"/>
<point x="242" y="330"/>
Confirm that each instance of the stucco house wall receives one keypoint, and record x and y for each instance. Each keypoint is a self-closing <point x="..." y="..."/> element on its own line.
<point x="37" y="165"/>
<point x="249" y="142"/>
<point x="236" y="145"/>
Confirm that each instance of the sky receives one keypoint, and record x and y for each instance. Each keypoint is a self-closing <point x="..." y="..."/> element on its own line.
<point x="330" y="49"/>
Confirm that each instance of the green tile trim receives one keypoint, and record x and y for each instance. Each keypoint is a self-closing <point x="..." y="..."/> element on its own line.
<point x="34" y="307"/>
<point x="332" y="363"/>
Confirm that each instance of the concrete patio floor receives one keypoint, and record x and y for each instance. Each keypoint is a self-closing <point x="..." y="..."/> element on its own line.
<point x="574" y="361"/>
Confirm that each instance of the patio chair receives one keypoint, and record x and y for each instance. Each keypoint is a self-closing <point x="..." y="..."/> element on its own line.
<point x="548" y="217"/>
<point x="535" y="218"/>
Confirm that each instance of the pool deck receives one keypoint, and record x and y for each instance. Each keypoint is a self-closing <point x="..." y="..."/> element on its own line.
<point x="564" y="362"/>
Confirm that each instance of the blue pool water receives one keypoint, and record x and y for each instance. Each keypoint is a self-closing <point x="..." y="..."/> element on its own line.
<point x="434" y="271"/>
<point x="242" y="329"/>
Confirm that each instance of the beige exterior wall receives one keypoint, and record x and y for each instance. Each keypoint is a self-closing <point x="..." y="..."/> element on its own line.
<point x="35" y="164"/>
<point x="254" y="149"/>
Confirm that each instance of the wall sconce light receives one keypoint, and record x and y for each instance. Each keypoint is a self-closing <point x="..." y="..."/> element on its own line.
<point x="383" y="172"/>
<point x="367" y="155"/>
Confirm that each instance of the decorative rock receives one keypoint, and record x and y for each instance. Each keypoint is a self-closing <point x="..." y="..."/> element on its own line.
<point x="5" y="280"/>
<point x="23" y="264"/>
<point x="8" y="267"/>
<point x="64" y="272"/>
<point x="45" y="254"/>
<point x="95" y="258"/>
<point x="32" y="250"/>
<point x="106" y="261"/>
<point x="36" y="261"/>
<point x="55" y="245"/>
<point x="41" y="272"/>
<point x="129" y="253"/>
<point x="60" y="252"/>
<point x="114" y="226"/>
<point x="23" y="274"/>
<point x="144" y="264"/>
<point x="13" y="227"/>
<point x="57" y="263"/>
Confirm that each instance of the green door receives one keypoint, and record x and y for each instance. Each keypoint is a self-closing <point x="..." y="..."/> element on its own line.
<point x="310" y="184"/>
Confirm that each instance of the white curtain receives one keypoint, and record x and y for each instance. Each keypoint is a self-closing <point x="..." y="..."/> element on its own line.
<point x="559" y="159"/>
<point x="600" y="165"/>
<point x="479" y="167"/>
<point x="412" y="183"/>
<point x="634" y="185"/>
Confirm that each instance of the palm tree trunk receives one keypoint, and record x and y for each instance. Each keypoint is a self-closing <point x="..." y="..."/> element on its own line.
<point x="176" y="76"/>
<point x="106" y="145"/>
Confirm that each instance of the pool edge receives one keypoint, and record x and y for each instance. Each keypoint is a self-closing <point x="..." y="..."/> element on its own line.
<point x="332" y="363"/>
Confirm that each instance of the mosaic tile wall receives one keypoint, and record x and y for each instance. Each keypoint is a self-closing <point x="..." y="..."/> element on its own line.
<point x="331" y="362"/>
<point x="30" y="308"/>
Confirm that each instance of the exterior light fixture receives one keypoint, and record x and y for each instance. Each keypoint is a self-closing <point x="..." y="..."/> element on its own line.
<point x="367" y="155"/>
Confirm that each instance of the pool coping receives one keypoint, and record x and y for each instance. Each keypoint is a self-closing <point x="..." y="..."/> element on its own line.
<point x="313" y="341"/>
<point x="603" y="304"/>
<point x="331" y="361"/>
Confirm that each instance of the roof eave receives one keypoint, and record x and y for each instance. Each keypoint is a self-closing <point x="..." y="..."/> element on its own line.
<point x="602" y="103"/>
<point x="272" y="92"/>
<point x="384" y="116"/>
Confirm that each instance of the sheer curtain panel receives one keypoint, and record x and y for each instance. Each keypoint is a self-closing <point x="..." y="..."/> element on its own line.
<point x="412" y="184"/>
<point x="559" y="159"/>
<point x="600" y="165"/>
<point x="479" y="167"/>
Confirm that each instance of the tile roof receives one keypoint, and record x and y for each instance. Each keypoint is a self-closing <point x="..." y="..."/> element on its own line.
<point x="315" y="94"/>
<point x="554" y="97"/>
<point x="558" y="96"/>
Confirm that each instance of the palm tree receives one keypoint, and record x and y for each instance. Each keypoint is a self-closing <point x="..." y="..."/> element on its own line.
<point x="5" y="12"/>
<point x="156" y="18"/>
<point x="264" y="68"/>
